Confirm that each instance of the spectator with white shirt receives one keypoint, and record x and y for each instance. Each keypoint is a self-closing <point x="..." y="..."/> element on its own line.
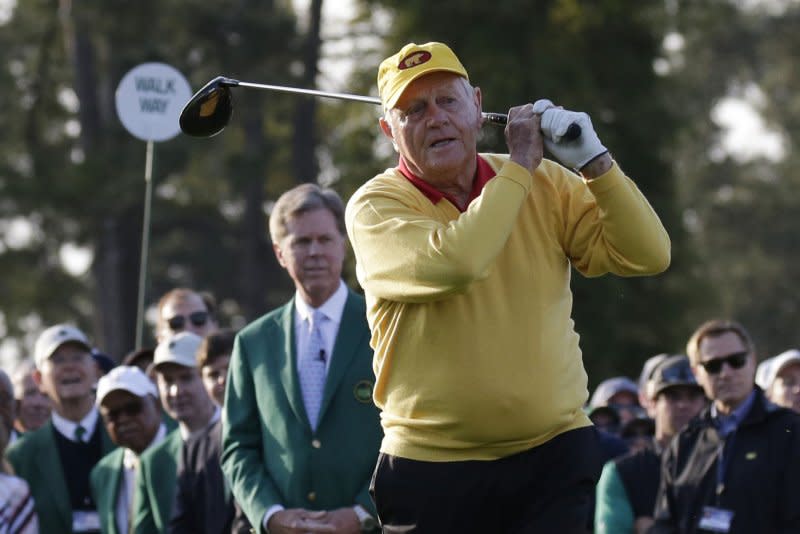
<point x="300" y="431"/>
<point x="128" y="401"/>
<point x="56" y="459"/>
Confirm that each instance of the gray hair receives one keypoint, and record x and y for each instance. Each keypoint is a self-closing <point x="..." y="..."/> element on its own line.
<point x="300" y="200"/>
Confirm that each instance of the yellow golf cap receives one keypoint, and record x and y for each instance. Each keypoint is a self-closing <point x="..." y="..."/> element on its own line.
<point x="412" y="61"/>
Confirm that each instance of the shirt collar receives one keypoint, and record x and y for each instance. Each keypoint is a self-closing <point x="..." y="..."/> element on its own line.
<point x="483" y="174"/>
<point x="66" y="428"/>
<point x="186" y="434"/>
<point x="130" y="458"/>
<point x="728" y="423"/>
<point x="333" y="308"/>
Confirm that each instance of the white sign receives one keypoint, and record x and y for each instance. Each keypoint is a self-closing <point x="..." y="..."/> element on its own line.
<point x="149" y="100"/>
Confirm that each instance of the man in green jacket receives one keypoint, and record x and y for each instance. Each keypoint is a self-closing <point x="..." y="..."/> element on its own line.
<point x="57" y="458"/>
<point x="185" y="399"/>
<point x="300" y="431"/>
<point x="128" y="401"/>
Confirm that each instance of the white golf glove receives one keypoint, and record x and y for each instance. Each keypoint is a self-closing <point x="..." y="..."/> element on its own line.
<point x="555" y="122"/>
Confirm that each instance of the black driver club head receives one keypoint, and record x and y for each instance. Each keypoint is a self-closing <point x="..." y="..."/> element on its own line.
<point x="210" y="109"/>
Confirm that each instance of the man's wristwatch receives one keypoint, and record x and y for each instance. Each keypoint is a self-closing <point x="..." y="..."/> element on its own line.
<point x="367" y="522"/>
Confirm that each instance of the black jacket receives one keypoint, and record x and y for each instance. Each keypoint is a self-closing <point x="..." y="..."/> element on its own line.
<point x="761" y="482"/>
<point x="203" y="504"/>
<point x="640" y="472"/>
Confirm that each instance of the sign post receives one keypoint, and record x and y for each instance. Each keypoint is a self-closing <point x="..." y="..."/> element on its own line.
<point x="149" y="100"/>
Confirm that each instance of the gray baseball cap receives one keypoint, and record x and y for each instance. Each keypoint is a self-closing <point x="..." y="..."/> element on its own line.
<point x="55" y="336"/>
<point x="180" y="349"/>
<point x="673" y="371"/>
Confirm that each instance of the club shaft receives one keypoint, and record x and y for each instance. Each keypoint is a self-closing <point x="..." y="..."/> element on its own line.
<point x="494" y="118"/>
<point x="312" y="92"/>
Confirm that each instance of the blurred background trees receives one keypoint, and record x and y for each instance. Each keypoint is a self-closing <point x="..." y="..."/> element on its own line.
<point x="666" y="83"/>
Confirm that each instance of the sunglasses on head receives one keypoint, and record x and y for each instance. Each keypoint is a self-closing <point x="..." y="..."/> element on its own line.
<point x="735" y="360"/>
<point x="131" y="409"/>
<point x="178" y="322"/>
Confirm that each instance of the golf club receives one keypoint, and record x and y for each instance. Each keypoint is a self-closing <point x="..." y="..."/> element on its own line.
<point x="210" y="109"/>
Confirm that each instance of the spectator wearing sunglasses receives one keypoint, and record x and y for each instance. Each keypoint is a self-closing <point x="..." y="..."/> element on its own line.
<point x="128" y="402"/>
<point x="185" y="310"/>
<point x="626" y="492"/>
<point x="734" y="468"/>
<point x="779" y="377"/>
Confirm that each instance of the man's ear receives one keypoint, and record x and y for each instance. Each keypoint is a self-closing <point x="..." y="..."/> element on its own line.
<point x="37" y="377"/>
<point x="279" y="255"/>
<point x="386" y="128"/>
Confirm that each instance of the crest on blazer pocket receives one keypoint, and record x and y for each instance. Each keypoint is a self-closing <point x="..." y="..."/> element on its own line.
<point x="363" y="391"/>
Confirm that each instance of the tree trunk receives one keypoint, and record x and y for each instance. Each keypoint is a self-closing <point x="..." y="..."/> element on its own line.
<point x="114" y="266"/>
<point x="304" y="142"/>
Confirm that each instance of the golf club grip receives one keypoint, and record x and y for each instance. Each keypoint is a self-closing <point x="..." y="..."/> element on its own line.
<point x="501" y="119"/>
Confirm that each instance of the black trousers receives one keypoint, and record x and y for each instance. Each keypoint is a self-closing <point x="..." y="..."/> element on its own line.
<point x="547" y="489"/>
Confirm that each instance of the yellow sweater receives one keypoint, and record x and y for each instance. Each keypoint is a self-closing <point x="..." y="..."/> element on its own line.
<point x="476" y="356"/>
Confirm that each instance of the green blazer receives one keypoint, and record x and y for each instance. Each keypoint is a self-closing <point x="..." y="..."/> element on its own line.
<point x="155" y="486"/>
<point x="35" y="458"/>
<point x="105" y="481"/>
<point x="270" y="454"/>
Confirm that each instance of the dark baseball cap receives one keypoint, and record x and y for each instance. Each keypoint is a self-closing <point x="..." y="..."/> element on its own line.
<point x="673" y="371"/>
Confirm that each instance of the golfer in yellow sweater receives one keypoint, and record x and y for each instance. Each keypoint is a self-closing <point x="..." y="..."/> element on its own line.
<point x="465" y="261"/>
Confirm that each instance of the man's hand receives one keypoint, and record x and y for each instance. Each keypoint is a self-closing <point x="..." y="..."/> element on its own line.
<point x="575" y="154"/>
<point x="524" y="137"/>
<point x="300" y="521"/>
<point x="345" y="520"/>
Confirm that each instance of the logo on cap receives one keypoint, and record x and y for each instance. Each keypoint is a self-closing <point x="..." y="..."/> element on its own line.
<point x="415" y="59"/>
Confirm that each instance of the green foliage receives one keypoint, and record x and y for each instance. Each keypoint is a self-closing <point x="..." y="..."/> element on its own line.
<point x="87" y="187"/>
<point x="741" y="212"/>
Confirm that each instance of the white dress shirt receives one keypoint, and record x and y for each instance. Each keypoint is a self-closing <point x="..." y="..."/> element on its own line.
<point x="130" y="462"/>
<point x="67" y="428"/>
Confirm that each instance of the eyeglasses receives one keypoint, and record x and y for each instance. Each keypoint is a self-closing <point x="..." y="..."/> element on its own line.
<point x="735" y="360"/>
<point x="131" y="409"/>
<point x="178" y="322"/>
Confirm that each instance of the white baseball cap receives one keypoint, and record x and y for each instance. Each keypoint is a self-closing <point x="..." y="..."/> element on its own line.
<point x="126" y="378"/>
<point x="180" y="348"/>
<point x="769" y="369"/>
<point x="54" y="337"/>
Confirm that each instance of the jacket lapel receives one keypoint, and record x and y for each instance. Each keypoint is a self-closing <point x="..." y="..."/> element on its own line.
<point x="113" y="491"/>
<point x="289" y="373"/>
<point x="352" y="330"/>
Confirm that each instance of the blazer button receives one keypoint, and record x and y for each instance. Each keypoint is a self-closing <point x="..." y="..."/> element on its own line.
<point x="312" y="496"/>
<point x="316" y="443"/>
